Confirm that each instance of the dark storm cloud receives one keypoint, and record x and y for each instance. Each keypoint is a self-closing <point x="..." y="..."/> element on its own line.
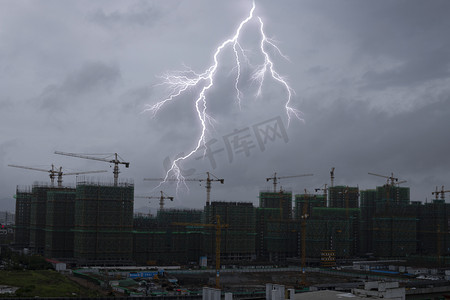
<point x="405" y="37"/>
<point x="93" y="77"/>
<point x="370" y="76"/>
<point x="6" y="104"/>
<point x="139" y="14"/>
<point x="409" y="140"/>
<point x="418" y="70"/>
<point x="135" y="99"/>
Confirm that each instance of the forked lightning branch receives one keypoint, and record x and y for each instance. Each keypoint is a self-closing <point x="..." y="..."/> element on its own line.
<point x="180" y="82"/>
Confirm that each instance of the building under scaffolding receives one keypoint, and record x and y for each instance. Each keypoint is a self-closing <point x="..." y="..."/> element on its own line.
<point x="333" y="229"/>
<point x="344" y="197"/>
<point x="433" y="232"/>
<point x="368" y="200"/>
<point x="276" y="239"/>
<point x="38" y="217"/>
<point x="94" y="224"/>
<point x="238" y="239"/>
<point x="281" y="200"/>
<point x="158" y="241"/>
<point x="310" y="201"/>
<point x="103" y="223"/>
<point x="23" y="217"/>
<point x="388" y="222"/>
<point x="60" y="215"/>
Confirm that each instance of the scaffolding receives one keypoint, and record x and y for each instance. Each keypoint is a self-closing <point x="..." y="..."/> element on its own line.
<point x="103" y="223"/>
<point x="168" y="216"/>
<point x="38" y="216"/>
<point x="281" y="200"/>
<point x="276" y="239"/>
<point x="22" y="217"/>
<point x="333" y="229"/>
<point x="59" y="224"/>
<point x="394" y="236"/>
<point x="238" y="239"/>
<point x="344" y="197"/>
<point x="368" y="200"/>
<point x="311" y="201"/>
<point x="157" y="241"/>
<point x="390" y="194"/>
<point x="433" y="231"/>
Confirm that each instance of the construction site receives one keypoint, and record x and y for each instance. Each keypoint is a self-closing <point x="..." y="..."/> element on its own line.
<point x="93" y="224"/>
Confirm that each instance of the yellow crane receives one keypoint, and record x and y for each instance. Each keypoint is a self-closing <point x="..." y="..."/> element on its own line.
<point x="161" y="199"/>
<point x="114" y="161"/>
<point x="275" y="179"/>
<point x="208" y="181"/>
<point x="218" y="226"/>
<point x="391" y="182"/>
<point x="56" y="173"/>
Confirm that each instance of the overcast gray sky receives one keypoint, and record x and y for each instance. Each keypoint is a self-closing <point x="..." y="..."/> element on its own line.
<point x="370" y="77"/>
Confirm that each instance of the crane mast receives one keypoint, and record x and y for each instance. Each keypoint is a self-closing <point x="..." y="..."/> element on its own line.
<point x="114" y="161"/>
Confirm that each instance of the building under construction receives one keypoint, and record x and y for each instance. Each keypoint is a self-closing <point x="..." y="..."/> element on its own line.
<point x="157" y="240"/>
<point x="22" y="217"/>
<point x="94" y="224"/>
<point x="281" y="200"/>
<point x="59" y="224"/>
<point x="238" y="237"/>
<point x="276" y="231"/>
<point x="343" y="197"/>
<point x="334" y="229"/>
<point x="103" y="223"/>
<point x="388" y="222"/>
<point x="433" y="232"/>
<point x="38" y="216"/>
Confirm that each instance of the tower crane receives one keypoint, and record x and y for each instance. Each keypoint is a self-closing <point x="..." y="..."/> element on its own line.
<point x="208" y="180"/>
<point x="114" y="161"/>
<point x="442" y="192"/>
<point x="161" y="199"/>
<point x="56" y="172"/>
<point x="391" y="180"/>
<point x="275" y="179"/>
<point x="218" y="226"/>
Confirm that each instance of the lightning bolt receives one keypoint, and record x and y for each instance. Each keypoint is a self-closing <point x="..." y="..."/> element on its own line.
<point x="181" y="81"/>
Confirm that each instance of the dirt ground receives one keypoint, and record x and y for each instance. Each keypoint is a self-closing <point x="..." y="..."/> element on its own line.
<point x="256" y="280"/>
